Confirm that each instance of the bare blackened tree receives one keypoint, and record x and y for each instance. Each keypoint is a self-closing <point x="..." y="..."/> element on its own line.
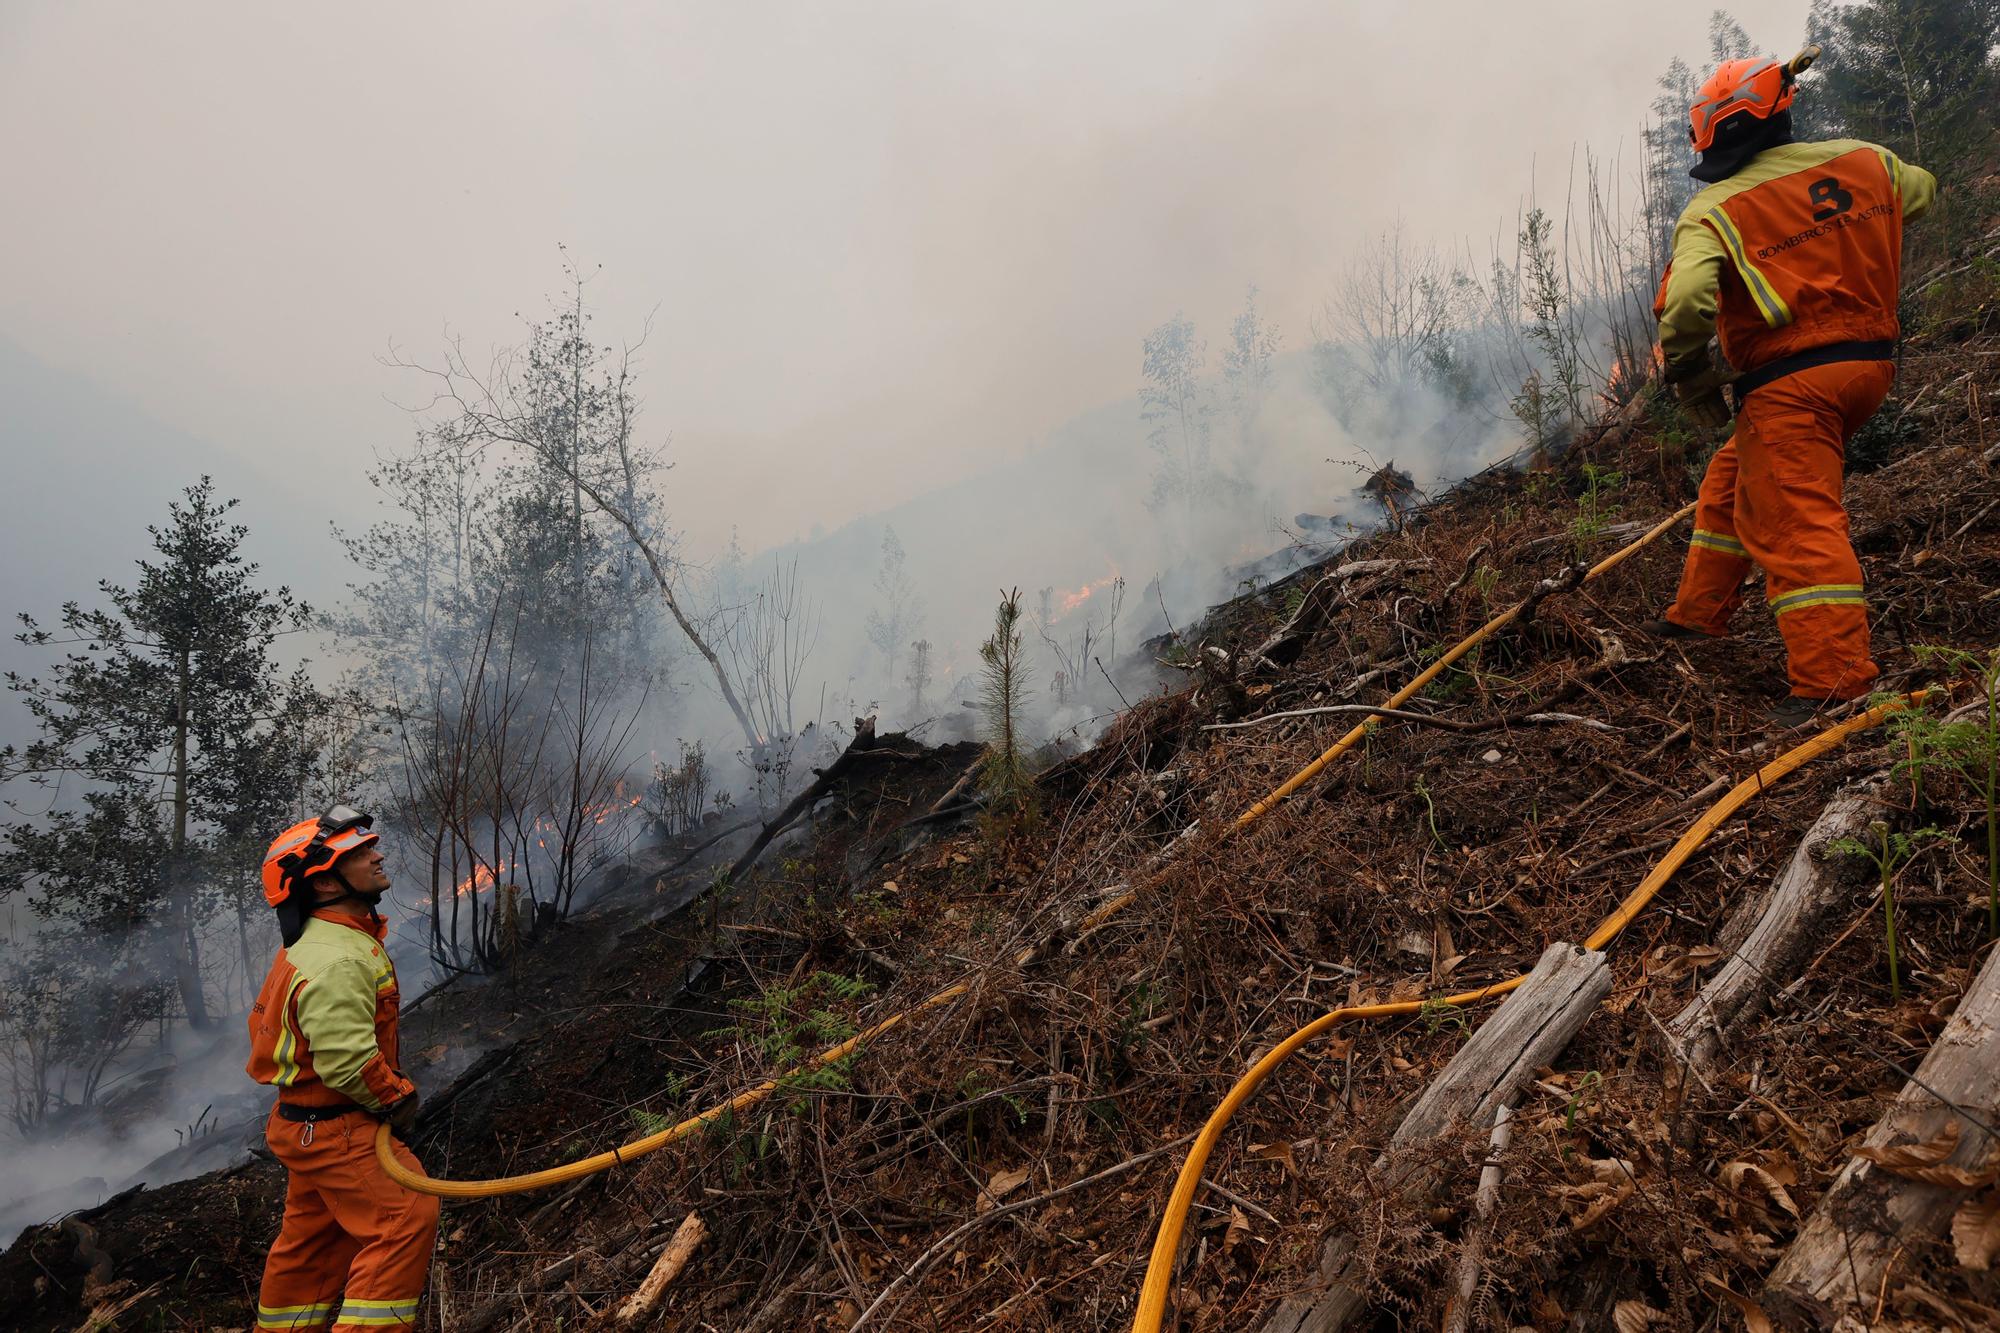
<point x="1175" y="402"/>
<point x="512" y="778"/>
<point x="1392" y="325"/>
<point x="766" y="644"/>
<point x="919" y="679"/>
<point x="569" y="407"/>
<point x="678" y="797"/>
<point x="1074" y="651"/>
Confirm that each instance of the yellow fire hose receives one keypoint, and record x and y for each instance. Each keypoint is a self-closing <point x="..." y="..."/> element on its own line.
<point x="604" y="1161"/>
<point x="1398" y="699"/>
<point x="1166" y="1245"/>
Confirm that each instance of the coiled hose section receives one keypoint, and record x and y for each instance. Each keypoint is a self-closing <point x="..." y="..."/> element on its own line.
<point x="604" y="1161"/>
<point x="1166" y="1245"/>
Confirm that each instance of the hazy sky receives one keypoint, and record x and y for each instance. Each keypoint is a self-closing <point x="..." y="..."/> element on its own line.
<point x="885" y="241"/>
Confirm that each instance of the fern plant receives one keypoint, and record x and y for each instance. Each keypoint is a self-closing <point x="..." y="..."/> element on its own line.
<point x="1594" y="508"/>
<point x="773" y="1025"/>
<point x="1971" y="748"/>
<point x="1004" y="772"/>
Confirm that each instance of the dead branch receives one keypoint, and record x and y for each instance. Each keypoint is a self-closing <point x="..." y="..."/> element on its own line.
<point x="672" y="1260"/>
<point x="944" y="1243"/>
<point x="859" y="751"/>
<point x="1464" y="576"/>
<point x="1485" y="1204"/>
<point x="1426" y="719"/>
<point x="1525" y="1033"/>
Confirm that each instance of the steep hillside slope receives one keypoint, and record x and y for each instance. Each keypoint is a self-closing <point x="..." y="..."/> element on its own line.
<point x="1002" y="1160"/>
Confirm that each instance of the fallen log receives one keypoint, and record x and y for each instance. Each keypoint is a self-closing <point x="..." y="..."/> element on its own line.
<point x="1767" y="940"/>
<point x="1943" y="1119"/>
<point x="1331" y="593"/>
<point x="1527" y="1031"/>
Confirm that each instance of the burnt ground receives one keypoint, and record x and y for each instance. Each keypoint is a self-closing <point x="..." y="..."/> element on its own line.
<point x="558" y="1050"/>
<point x="1430" y="860"/>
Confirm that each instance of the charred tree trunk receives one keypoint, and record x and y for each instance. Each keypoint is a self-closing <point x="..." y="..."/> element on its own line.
<point x="1528" y="1031"/>
<point x="865" y="747"/>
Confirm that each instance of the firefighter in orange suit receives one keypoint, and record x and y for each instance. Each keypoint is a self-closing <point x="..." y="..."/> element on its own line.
<point x="1792" y="257"/>
<point x="355" y="1248"/>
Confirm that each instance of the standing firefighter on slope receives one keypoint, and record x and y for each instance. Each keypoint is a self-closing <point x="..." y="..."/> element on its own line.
<point x="355" y="1248"/>
<point x="1792" y="257"/>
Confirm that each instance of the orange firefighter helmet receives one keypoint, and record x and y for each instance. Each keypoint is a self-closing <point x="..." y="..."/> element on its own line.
<point x="1756" y="88"/>
<point x="312" y="846"/>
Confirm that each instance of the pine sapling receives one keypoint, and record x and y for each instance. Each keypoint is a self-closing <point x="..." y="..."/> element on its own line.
<point x="1010" y="790"/>
<point x="1888" y="852"/>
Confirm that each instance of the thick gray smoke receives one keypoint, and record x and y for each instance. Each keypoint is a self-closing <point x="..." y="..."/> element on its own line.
<point x="897" y="262"/>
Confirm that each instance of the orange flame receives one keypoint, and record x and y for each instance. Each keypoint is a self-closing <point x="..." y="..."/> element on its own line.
<point x="482" y="877"/>
<point x="1069" y="601"/>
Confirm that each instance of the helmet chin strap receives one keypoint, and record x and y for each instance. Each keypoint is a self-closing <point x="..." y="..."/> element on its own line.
<point x="372" y="897"/>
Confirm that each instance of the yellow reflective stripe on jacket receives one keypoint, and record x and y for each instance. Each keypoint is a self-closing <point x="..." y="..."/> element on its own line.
<point x="1894" y="166"/>
<point x="1820" y="594"/>
<point x="1769" y="304"/>
<point x="1717" y="541"/>
<point x="287" y="1054"/>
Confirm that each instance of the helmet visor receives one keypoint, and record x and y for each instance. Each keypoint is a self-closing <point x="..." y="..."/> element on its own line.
<point x="341" y="818"/>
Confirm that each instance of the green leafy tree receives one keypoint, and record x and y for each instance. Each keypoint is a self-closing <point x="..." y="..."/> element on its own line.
<point x="158" y="696"/>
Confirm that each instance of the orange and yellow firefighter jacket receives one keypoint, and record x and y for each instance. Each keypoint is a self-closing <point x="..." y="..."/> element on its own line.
<point x="1800" y="250"/>
<point x="323" y="1030"/>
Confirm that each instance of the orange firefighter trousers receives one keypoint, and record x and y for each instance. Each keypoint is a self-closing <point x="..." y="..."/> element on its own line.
<point x="354" y="1251"/>
<point x="1772" y="495"/>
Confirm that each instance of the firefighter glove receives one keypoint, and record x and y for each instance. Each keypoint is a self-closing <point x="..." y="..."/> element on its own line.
<point x="1698" y="384"/>
<point x="402" y="1117"/>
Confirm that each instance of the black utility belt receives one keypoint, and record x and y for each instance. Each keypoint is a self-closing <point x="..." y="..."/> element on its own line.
<point x="1752" y="380"/>
<point x="308" y="1115"/>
